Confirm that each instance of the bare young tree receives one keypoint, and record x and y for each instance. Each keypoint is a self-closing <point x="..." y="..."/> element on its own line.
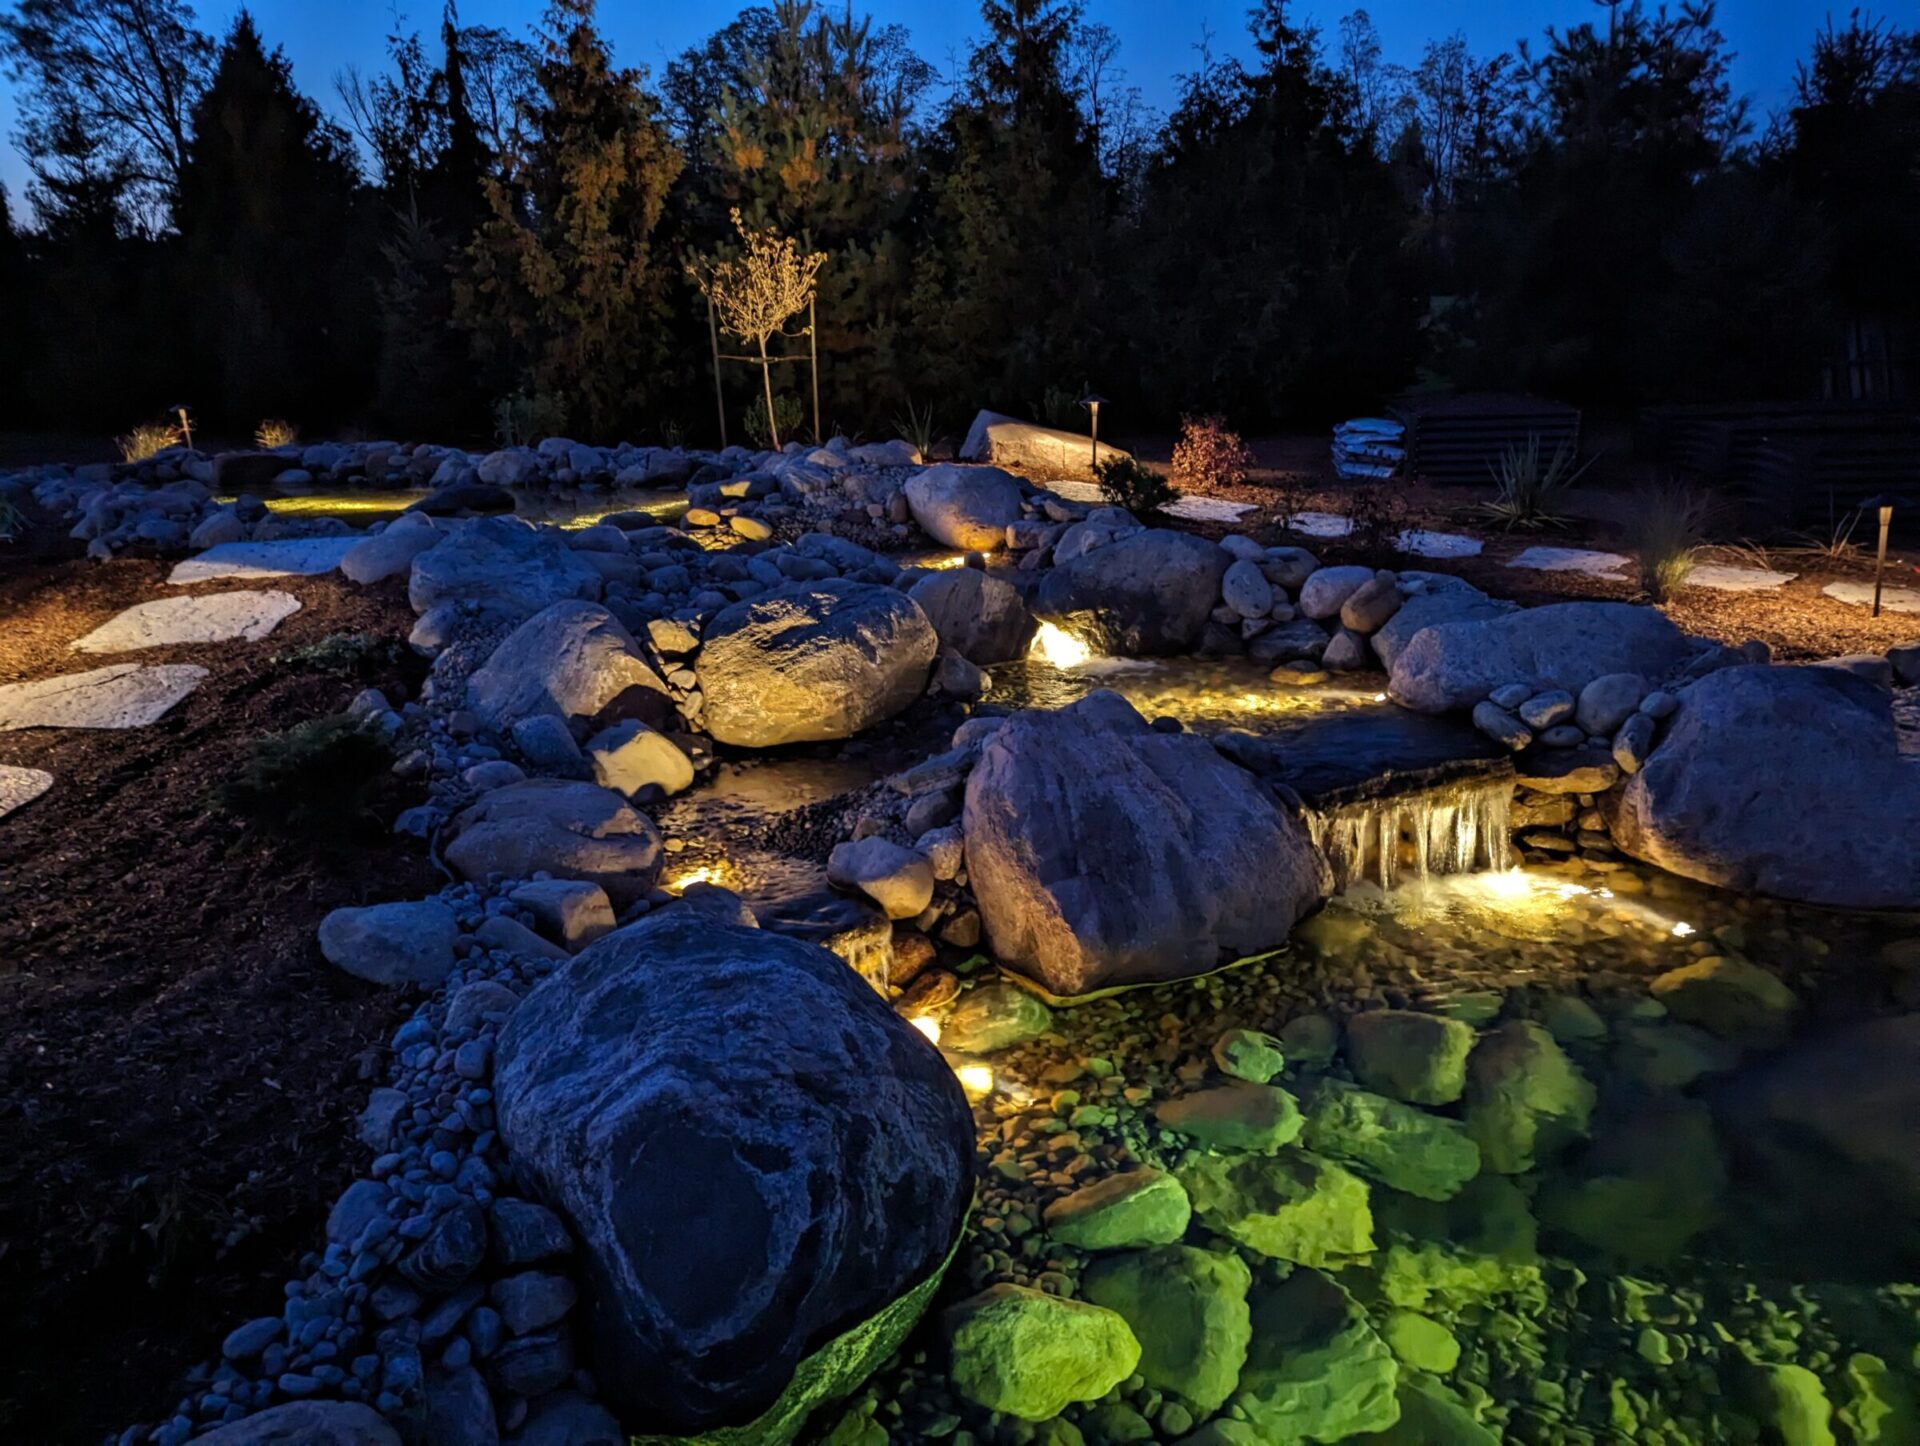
<point x="758" y="292"/>
<point x="124" y="73"/>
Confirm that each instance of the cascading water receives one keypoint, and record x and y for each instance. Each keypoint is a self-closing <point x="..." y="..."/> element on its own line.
<point x="1452" y="828"/>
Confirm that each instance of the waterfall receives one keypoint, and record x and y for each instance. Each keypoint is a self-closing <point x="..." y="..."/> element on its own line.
<point x="1450" y="828"/>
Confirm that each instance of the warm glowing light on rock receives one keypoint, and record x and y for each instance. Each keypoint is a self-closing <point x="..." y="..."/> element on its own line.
<point x="1058" y="647"/>
<point x="927" y="1025"/>
<point x="976" y="1080"/>
<point x="1680" y="931"/>
<point x="709" y="873"/>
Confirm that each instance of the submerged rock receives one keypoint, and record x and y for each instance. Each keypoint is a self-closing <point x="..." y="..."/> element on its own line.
<point x="1648" y="1185"/>
<point x="1407" y="1055"/>
<point x="1525" y="1100"/>
<point x="1188" y="1309"/>
<point x="1104" y="853"/>
<point x="1136" y="1207"/>
<point x="1731" y="998"/>
<point x="1316" y="1370"/>
<point x="813" y="661"/>
<point x="1833" y="818"/>
<point x="994" y="1017"/>
<point x="1031" y="1355"/>
<point x="1290" y="1205"/>
<point x="1234" y="1116"/>
<point x="1395" y="1144"/>
<point x="711" y="1103"/>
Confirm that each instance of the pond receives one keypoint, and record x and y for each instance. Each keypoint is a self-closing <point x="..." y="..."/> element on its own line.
<point x="572" y="510"/>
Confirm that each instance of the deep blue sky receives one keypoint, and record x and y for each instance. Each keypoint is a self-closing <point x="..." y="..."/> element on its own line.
<point x="1158" y="36"/>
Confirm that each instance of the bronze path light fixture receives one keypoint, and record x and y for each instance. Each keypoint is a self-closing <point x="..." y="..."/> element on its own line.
<point x="182" y="411"/>
<point x="1885" y="505"/>
<point x="1092" y="402"/>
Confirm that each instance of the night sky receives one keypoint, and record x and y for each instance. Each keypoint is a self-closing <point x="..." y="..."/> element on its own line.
<point x="1158" y="36"/>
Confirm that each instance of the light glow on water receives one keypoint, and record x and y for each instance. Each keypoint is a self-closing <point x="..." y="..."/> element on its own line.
<point x="927" y="1025"/>
<point x="1058" y="647"/>
<point x="975" y="1079"/>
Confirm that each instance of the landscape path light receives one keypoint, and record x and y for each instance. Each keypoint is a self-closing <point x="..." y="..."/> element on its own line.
<point x="1885" y="506"/>
<point x="1091" y="401"/>
<point x="180" y="410"/>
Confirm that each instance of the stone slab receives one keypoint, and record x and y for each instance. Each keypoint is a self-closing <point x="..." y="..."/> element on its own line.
<point x="218" y="617"/>
<point x="1729" y="577"/>
<point x="1421" y="543"/>
<point x="289" y="557"/>
<point x="124" y="695"/>
<point x="1570" y="559"/>
<point x="1209" y="509"/>
<point x="21" y="786"/>
<point x="1320" y="524"/>
<point x="1860" y="594"/>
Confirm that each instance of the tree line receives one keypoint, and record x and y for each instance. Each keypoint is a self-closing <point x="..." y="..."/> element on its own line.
<point x="492" y="234"/>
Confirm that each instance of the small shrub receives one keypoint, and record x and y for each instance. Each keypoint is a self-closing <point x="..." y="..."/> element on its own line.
<point x="13" y="521"/>
<point x="917" y="427"/>
<point x="1377" y="514"/>
<point x="274" y="433"/>
<point x="1209" y="453"/>
<point x="1665" y="535"/>
<point x="786" y="417"/>
<point x="316" y="780"/>
<point x="523" y="418"/>
<point x="147" y="439"/>
<point x="1127" y="483"/>
<point x="1530" y="487"/>
<point x="358" y="655"/>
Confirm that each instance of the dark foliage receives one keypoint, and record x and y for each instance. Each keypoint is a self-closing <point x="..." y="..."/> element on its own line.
<point x="316" y="781"/>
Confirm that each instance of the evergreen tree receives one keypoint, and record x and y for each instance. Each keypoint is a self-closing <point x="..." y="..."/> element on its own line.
<point x="274" y="263"/>
<point x="565" y="298"/>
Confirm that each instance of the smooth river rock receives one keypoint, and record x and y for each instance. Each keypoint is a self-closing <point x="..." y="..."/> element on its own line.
<point x="1104" y="853"/>
<point x="571" y="660"/>
<point x="965" y="507"/>
<point x="572" y="830"/>
<point x="755" y="1152"/>
<point x="980" y="617"/>
<point x="500" y="564"/>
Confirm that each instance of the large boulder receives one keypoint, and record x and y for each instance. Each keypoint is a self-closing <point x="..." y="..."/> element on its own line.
<point x="813" y="660"/>
<point x="571" y="660"/>
<point x="571" y="830"/>
<point x="1031" y="449"/>
<point x="308" y="1423"/>
<point x="1833" y="816"/>
<point x="501" y="564"/>
<point x="979" y="617"/>
<point x="1439" y="598"/>
<point x="390" y="551"/>
<point x="1103" y="853"/>
<point x="1148" y="591"/>
<point x="757" y="1155"/>
<point x="1448" y="666"/>
<point x="965" y="507"/>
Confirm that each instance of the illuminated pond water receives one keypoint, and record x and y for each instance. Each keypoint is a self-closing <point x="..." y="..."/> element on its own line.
<point x="571" y="510"/>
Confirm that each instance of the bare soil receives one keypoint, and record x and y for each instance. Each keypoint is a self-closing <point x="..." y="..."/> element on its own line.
<point x="176" y="1059"/>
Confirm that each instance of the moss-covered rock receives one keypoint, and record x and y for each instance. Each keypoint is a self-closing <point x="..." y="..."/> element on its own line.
<point x="1421" y="1342"/>
<point x="1431" y="1415"/>
<point x="1649" y="1184"/>
<point x="1236" y="1116"/>
<point x="1395" y="1144"/>
<point x="1031" y="1355"/>
<point x="1406" y="1055"/>
<point x="1526" y="1101"/>
<point x="1879" y="1407"/>
<point x="1249" y="1055"/>
<point x="1291" y="1206"/>
<point x="1316" y="1370"/>
<point x="1187" y="1308"/>
<point x="1479" y="1247"/>
<point x="1732" y="998"/>
<point x="1136" y="1207"/>
<point x="1117" y="1423"/>
<point x="994" y="1017"/>
<point x="1310" y="1041"/>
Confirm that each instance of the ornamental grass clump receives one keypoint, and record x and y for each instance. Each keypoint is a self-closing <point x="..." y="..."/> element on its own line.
<point x="274" y="433"/>
<point x="147" y="440"/>
<point x="1666" y="533"/>
<point x="1209" y="454"/>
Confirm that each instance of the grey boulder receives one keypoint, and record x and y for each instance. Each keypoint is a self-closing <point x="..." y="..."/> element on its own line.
<point x="965" y="507"/>
<point x="393" y="944"/>
<point x="812" y="661"/>
<point x="1453" y="665"/>
<point x="979" y="617"/>
<point x="754" y="1151"/>
<point x="503" y="565"/>
<point x="308" y="1423"/>
<point x="570" y="830"/>
<point x="1784" y="781"/>
<point x="571" y="660"/>
<point x="1148" y="591"/>
<point x="1103" y="853"/>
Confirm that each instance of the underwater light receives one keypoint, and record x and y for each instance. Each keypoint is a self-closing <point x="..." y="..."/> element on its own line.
<point x="1681" y="930"/>
<point x="1059" y="647"/>
<point x="975" y="1079"/>
<point x="717" y="872"/>
<point x="927" y="1025"/>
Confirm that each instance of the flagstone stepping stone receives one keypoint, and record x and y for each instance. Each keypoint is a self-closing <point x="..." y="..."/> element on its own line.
<point x="1729" y="577"/>
<point x="1320" y="524"/>
<point x="1570" y="559"/>
<point x="1422" y="543"/>
<point x="1208" y="509"/>
<point x="289" y="557"/>
<point x="125" y="695"/>
<point x="218" y="617"/>
<point x="1076" y="491"/>
<point x="1860" y="594"/>
<point x="21" y="786"/>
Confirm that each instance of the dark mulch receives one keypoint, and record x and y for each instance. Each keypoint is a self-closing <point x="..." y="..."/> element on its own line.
<point x="177" y="1063"/>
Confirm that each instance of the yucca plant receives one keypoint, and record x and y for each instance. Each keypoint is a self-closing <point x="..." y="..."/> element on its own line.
<point x="274" y="432"/>
<point x="13" y="521"/>
<point x="1668" y="528"/>
<point x="1529" y="486"/>
<point x="917" y="427"/>
<point x="147" y="439"/>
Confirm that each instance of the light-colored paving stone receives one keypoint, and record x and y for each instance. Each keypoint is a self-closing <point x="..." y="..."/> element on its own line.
<point x="217" y="617"/>
<point x="1730" y="577"/>
<point x="1320" y="524"/>
<point x="1209" y="509"/>
<point x="1860" y="594"/>
<point x="21" y="786"/>
<point x="290" y="557"/>
<point x="1422" y="543"/>
<point x="123" y="695"/>
<point x="1570" y="559"/>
